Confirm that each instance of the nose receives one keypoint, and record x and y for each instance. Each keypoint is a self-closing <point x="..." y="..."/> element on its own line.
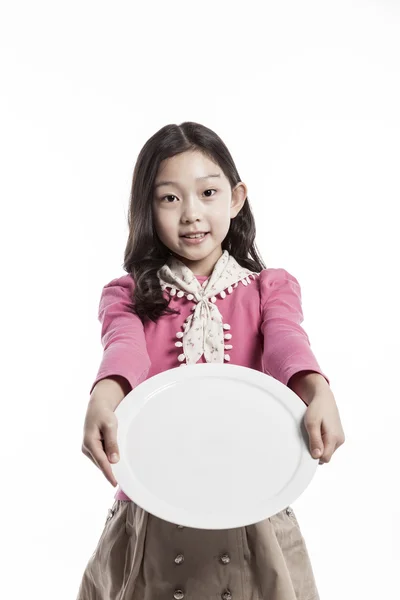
<point x="190" y="211"/>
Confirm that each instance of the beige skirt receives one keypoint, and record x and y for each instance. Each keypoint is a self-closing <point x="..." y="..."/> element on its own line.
<point x="141" y="557"/>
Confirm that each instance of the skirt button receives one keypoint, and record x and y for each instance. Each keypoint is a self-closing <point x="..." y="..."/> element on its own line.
<point x="179" y="595"/>
<point x="226" y="595"/>
<point x="179" y="559"/>
<point x="225" y="559"/>
<point x="111" y="513"/>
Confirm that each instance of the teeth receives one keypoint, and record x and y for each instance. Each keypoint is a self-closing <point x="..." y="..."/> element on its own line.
<point x="198" y="235"/>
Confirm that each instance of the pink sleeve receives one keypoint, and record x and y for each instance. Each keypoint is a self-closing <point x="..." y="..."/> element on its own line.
<point x="286" y="345"/>
<point x="122" y="334"/>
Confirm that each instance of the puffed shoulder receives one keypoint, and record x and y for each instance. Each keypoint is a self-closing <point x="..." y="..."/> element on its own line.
<point x="272" y="275"/>
<point x="118" y="290"/>
<point x="277" y="279"/>
<point x="125" y="281"/>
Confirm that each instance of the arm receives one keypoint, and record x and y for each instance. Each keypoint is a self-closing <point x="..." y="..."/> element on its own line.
<point x="125" y="361"/>
<point x="287" y="354"/>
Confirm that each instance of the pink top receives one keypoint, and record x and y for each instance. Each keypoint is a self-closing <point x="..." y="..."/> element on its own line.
<point x="264" y="316"/>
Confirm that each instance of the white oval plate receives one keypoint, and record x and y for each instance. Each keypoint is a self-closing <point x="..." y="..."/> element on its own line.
<point x="213" y="446"/>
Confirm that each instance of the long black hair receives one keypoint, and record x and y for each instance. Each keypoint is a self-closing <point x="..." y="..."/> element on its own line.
<point x="144" y="252"/>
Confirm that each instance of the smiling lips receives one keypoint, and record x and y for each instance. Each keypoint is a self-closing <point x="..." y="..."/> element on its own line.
<point x="194" y="235"/>
<point x="194" y="238"/>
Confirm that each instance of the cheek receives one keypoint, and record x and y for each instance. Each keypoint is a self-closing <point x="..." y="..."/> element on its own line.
<point x="159" y="229"/>
<point x="164" y="224"/>
<point x="221" y="219"/>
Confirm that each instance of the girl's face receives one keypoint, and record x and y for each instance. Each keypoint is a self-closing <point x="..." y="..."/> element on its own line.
<point x="192" y="195"/>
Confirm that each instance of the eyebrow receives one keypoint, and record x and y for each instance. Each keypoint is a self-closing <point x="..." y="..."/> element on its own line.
<point x="160" y="183"/>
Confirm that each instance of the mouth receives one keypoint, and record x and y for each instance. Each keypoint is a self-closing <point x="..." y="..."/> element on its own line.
<point x="195" y="236"/>
<point x="194" y="239"/>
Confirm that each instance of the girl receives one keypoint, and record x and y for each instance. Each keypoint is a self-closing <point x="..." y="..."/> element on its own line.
<point x="192" y="264"/>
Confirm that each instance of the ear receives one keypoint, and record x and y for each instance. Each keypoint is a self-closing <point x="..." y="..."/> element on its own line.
<point x="239" y="195"/>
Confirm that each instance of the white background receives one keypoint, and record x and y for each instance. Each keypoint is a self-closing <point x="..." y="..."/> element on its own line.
<point x="306" y="96"/>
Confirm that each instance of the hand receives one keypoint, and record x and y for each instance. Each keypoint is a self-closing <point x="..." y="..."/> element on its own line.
<point x="323" y="425"/>
<point x="100" y="428"/>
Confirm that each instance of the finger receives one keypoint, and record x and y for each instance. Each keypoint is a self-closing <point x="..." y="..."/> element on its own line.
<point x="109" y="431"/>
<point x="101" y="460"/>
<point x="315" y="439"/>
<point x="329" y="449"/>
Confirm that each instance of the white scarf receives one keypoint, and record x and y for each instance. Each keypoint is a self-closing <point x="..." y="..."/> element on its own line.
<point x="204" y="329"/>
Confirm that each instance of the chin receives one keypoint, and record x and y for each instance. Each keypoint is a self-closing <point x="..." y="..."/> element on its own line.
<point x="199" y="255"/>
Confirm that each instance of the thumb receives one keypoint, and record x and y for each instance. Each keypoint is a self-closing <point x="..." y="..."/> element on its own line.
<point x="110" y="442"/>
<point x="315" y="439"/>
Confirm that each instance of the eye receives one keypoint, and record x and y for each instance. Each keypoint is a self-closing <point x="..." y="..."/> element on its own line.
<point x="169" y="196"/>
<point x="165" y="198"/>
